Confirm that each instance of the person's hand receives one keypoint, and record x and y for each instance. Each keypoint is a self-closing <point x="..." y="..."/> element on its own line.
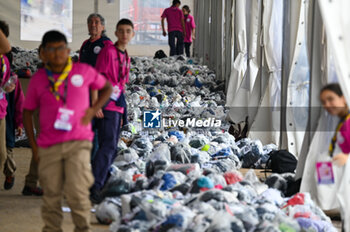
<point x="89" y="114"/>
<point x="193" y="37"/>
<point x="164" y="33"/>
<point x="340" y="159"/>
<point x="184" y="34"/>
<point x="99" y="114"/>
<point x="9" y="88"/>
<point x="19" y="131"/>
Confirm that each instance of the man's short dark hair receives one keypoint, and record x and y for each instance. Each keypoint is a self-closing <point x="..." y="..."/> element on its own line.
<point x="4" y="27"/>
<point x="125" y="22"/>
<point x="176" y="2"/>
<point x="53" y="36"/>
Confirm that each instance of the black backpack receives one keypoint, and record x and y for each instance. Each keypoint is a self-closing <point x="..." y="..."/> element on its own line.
<point x="159" y="54"/>
<point x="281" y="161"/>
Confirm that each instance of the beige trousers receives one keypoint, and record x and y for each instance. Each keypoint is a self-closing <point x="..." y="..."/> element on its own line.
<point x="64" y="169"/>
<point x="6" y="155"/>
<point x="31" y="179"/>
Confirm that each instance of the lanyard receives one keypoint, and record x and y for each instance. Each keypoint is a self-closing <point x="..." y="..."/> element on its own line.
<point x="334" y="139"/>
<point x="54" y="85"/>
<point x="121" y="63"/>
<point x="3" y="68"/>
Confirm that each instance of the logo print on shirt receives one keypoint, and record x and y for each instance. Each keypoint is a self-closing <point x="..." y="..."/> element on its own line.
<point x="188" y="20"/>
<point x="97" y="49"/>
<point x="77" y="80"/>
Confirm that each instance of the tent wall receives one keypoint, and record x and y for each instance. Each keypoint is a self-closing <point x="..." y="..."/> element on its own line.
<point x="273" y="70"/>
<point x="10" y="12"/>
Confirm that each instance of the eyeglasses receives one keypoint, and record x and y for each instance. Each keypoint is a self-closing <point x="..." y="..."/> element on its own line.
<point x="53" y="49"/>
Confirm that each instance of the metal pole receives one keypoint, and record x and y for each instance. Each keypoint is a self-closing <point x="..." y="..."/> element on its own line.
<point x="285" y="70"/>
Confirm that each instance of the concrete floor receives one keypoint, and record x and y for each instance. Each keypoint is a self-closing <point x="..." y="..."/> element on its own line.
<point x="22" y="213"/>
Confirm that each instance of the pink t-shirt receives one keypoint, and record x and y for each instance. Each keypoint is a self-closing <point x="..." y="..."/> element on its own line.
<point x="81" y="79"/>
<point x="343" y="138"/>
<point x="173" y="15"/>
<point x="4" y="78"/>
<point x="114" y="65"/>
<point x="189" y="25"/>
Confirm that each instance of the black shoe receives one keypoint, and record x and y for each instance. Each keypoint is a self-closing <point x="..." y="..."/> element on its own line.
<point x="95" y="196"/>
<point x="29" y="191"/>
<point x="9" y="182"/>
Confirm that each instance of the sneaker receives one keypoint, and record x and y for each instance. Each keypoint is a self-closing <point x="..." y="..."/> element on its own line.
<point x="9" y="182"/>
<point x="29" y="191"/>
<point x="95" y="196"/>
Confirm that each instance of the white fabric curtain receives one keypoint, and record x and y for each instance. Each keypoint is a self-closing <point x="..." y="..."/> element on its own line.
<point x="254" y="43"/>
<point x="268" y="116"/>
<point x="244" y="91"/>
<point x="239" y="67"/>
<point x="336" y="19"/>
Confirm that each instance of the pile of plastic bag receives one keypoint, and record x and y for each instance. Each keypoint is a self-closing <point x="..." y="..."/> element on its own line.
<point x="187" y="179"/>
<point x="184" y="197"/>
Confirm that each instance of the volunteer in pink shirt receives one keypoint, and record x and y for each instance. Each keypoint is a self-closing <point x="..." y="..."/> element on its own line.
<point x="60" y="91"/>
<point x="114" y="63"/>
<point x="89" y="51"/>
<point x="6" y="87"/>
<point x="176" y="28"/>
<point x="334" y="102"/>
<point x="190" y="29"/>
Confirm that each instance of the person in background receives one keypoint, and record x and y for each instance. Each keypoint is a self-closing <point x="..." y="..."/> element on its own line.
<point x="190" y="27"/>
<point x="31" y="180"/>
<point x="334" y="103"/>
<point x="89" y="52"/>
<point x="7" y="86"/>
<point x="114" y="63"/>
<point x="5" y="46"/>
<point x="14" y="122"/>
<point x="92" y="47"/>
<point x="176" y="28"/>
<point x="61" y="93"/>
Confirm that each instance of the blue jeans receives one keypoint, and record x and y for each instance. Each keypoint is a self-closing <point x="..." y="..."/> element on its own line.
<point x="178" y="47"/>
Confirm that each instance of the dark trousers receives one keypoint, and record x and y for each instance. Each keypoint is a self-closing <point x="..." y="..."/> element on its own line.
<point x="108" y="136"/>
<point x="178" y="47"/>
<point x="187" y="48"/>
<point x="95" y="140"/>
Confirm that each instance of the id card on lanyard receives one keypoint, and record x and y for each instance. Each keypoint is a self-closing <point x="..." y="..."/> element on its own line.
<point x="325" y="173"/>
<point x="121" y="76"/>
<point x="64" y="118"/>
